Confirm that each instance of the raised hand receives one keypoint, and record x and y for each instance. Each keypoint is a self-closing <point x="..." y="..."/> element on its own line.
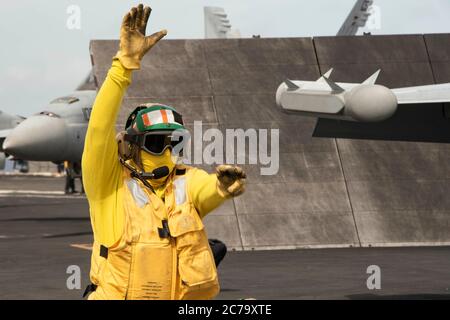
<point x="133" y="42"/>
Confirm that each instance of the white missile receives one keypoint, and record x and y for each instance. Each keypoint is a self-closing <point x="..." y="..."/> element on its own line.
<point x="365" y="102"/>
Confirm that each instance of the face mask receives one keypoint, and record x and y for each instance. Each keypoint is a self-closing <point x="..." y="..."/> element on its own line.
<point x="151" y="162"/>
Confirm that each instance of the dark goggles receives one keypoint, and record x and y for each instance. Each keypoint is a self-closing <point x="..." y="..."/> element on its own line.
<point x="156" y="142"/>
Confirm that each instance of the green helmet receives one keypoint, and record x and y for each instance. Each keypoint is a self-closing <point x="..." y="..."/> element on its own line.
<point x="152" y="117"/>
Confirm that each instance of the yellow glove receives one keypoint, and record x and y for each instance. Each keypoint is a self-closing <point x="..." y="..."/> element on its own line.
<point x="230" y="180"/>
<point x="133" y="42"/>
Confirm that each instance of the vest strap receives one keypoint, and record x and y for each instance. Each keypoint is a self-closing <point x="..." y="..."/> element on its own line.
<point x="180" y="172"/>
<point x="164" y="232"/>
<point x="90" y="288"/>
<point x="103" y="251"/>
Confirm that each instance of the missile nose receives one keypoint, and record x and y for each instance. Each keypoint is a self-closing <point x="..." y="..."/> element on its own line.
<point x="38" y="138"/>
<point x="370" y="103"/>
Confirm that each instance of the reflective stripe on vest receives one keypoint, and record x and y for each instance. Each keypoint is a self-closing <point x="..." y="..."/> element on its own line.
<point x="139" y="195"/>
<point x="180" y="190"/>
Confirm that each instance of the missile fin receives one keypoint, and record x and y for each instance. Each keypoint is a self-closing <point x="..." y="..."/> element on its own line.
<point x="326" y="74"/>
<point x="291" y="86"/>
<point x="373" y="78"/>
<point x="333" y="85"/>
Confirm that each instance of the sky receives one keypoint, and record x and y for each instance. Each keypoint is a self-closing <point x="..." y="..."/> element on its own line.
<point x="41" y="58"/>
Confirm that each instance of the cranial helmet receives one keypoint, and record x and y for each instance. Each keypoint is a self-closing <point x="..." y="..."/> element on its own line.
<point x="153" y="116"/>
<point x="150" y="128"/>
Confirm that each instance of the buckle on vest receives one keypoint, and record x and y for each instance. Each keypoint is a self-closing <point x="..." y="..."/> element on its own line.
<point x="164" y="232"/>
<point x="103" y="251"/>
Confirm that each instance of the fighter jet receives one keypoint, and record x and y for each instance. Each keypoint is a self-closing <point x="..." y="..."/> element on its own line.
<point x="55" y="134"/>
<point x="362" y="102"/>
<point x="7" y="123"/>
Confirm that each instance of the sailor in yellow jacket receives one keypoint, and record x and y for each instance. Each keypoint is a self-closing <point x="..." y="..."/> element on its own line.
<point x="146" y="210"/>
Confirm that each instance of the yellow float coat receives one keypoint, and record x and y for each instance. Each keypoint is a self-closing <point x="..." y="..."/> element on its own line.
<point x="105" y="183"/>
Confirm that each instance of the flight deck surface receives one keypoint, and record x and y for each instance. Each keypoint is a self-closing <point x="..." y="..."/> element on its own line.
<point x="43" y="232"/>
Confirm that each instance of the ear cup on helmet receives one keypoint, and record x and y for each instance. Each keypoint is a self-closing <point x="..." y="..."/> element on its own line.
<point x="124" y="147"/>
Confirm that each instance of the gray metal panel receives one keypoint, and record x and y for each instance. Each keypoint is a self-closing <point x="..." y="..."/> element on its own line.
<point x="244" y="75"/>
<point x="392" y="75"/>
<point x="403" y="227"/>
<point x="175" y="68"/>
<point x="302" y="158"/>
<point x="255" y="108"/>
<point x="403" y="60"/>
<point x="441" y="71"/>
<point x="257" y="66"/>
<point x="254" y="79"/>
<point x="370" y="49"/>
<point x="397" y="189"/>
<point x="296" y="135"/>
<point x="231" y="84"/>
<point x="174" y="53"/>
<point x="296" y="197"/>
<point x="399" y="194"/>
<point x="297" y="138"/>
<point x="296" y="214"/>
<point x="394" y="160"/>
<point x="263" y="52"/>
<point x="297" y="230"/>
<point x="438" y="46"/>
<point x="401" y="211"/>
<point x="226" y="209"/>
<point x="225" y="228"/>
<point x="309" y="167"/>
<point x="166" y="82"/>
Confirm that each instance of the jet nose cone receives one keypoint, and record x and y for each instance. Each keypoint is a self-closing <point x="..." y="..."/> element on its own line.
<point x="38" y="138"/>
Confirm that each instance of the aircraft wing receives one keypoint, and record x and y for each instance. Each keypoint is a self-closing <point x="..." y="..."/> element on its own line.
<point x="435" y="93"/>
<point x="356" y="18"/>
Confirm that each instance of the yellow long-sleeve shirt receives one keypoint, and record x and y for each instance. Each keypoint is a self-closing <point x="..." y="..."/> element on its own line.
<point x="103" y="173"/>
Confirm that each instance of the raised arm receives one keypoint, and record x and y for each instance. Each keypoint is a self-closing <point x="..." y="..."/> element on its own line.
<point x="101" y="167"/>
<point x="102" y="171"/>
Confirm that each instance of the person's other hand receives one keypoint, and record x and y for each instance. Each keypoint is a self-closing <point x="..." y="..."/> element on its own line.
<point x="230" y="180"/>
<point x="133" y="42"/>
